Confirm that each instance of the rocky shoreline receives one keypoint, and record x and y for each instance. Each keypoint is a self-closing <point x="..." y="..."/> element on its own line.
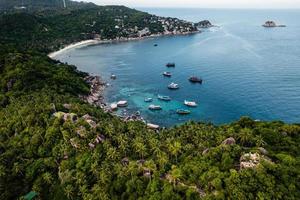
<point x="95" y="98"/>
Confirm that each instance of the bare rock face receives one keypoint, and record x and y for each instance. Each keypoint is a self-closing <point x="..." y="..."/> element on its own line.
<point x="125" y="161"/>
<point x="205" y="151"/>
<point x="229" y="141"/>
<point x="262" y="150"/>
<point x="249" y="160"/>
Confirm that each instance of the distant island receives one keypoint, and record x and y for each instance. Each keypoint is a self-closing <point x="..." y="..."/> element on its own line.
<point x="272" y="24"/>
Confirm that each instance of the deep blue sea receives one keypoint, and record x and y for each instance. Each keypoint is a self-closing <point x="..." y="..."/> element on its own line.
<point x="247" y="70"/>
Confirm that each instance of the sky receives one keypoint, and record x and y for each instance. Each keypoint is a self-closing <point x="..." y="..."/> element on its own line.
<point x="274" y="4"/>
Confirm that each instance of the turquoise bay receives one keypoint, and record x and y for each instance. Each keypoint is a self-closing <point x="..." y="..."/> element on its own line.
<point x="247" y="70"/>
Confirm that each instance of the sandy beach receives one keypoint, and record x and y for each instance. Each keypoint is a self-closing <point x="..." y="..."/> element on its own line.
<point x="98" y="41"/>
<point x="74" y="45"/>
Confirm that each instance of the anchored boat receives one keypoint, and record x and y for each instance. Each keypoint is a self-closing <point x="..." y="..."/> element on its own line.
<point x="167" y="74"/>
<point x="170" y="65"/>
<point x="164" y="98"/>
<point x="113" y="76"/>
<point x="122" y="104"/>
<point x="195" y="79"/>
<point x="190" y="103"/>
<point x="148" y="100"/>
<point x="154" y="107"/>
<point x="183" y="112"/>
<point x="173" y="86"/>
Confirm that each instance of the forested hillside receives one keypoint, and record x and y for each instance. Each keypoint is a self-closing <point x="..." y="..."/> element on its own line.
<point x="37" y="5"/>
<point x="56" y="145"/>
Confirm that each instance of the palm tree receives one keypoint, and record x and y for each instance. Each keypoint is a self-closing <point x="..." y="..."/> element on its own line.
<point x="245" y="136"/>
<point x="47" y="177"/>
<point x="259" y="141"/>
<point x="69" y="191"/>
<point x="139" y="146"/>
<point x="174" y="148"/>
<point x="175" y="175"/>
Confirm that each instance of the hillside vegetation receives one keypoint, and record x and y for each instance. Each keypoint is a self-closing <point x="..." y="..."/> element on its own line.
<point x="53" y="143"/>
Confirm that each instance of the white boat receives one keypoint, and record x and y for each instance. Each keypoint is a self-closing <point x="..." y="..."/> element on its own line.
<point x="148" y="100"/>
<point x="164" y="98"/>
<point x="114" y="106"/>
<point x="190" y="103"/>
<point x="173" y="86"/>
<point x="167" y="74"/>
<point x="113" y="76"/>
<point x="154" y="107"/>
<point x="122" y="104"/>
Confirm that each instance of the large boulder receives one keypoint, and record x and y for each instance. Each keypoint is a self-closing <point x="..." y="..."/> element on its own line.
<point x="229" y="141"/>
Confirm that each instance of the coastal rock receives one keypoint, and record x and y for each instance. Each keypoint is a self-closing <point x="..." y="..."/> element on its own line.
<point x="229" y="141"/>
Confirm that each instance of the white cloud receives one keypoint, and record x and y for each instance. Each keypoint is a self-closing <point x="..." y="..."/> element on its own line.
<point x="204" y="3"/>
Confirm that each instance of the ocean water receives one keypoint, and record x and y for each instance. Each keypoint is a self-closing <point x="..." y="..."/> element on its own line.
<point x="247" y="70"/>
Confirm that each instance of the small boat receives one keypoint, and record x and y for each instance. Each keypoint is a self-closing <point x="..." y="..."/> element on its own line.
<point x="170" y="65"/>
<point x="122" y="104"/>
<point x="114" y="106"/>
<point x="167" y="74"/>
<point x="148" y="100"/>
<point x="173" y="86"/>
<point x="154" y="107"/>
<point x="164" y="98"/>
<point x="155" y="45"/>
<point x="113" y="76"/>
<point x="183" y="112"/>
<point x="190" y="103"/>
<point x="195" y="79"/>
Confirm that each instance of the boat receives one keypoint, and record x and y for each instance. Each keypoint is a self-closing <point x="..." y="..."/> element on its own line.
<point x="195" y="79"/>
<point x="170" y="65"/>
<point x="173" y="86"/>
<point x="122" y="104"/>
<point x="114" y="106"/>
<point x="183" y="112"/>
<point x="167" y="74"/>
<point x="190" y="103"/>
<point x="148" y="100"/>
<point x="154" y="107"/>
<point x="113" y="76"/>
<point x="155" y="45"/>
<point x="164" y="98"/>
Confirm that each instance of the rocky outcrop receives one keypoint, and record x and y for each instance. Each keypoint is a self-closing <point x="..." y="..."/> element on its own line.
<point x="249" y="160"/>
<point x="66" y="116"/>
<point x="97" y="87"/>
<point x="204" y="24"/>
